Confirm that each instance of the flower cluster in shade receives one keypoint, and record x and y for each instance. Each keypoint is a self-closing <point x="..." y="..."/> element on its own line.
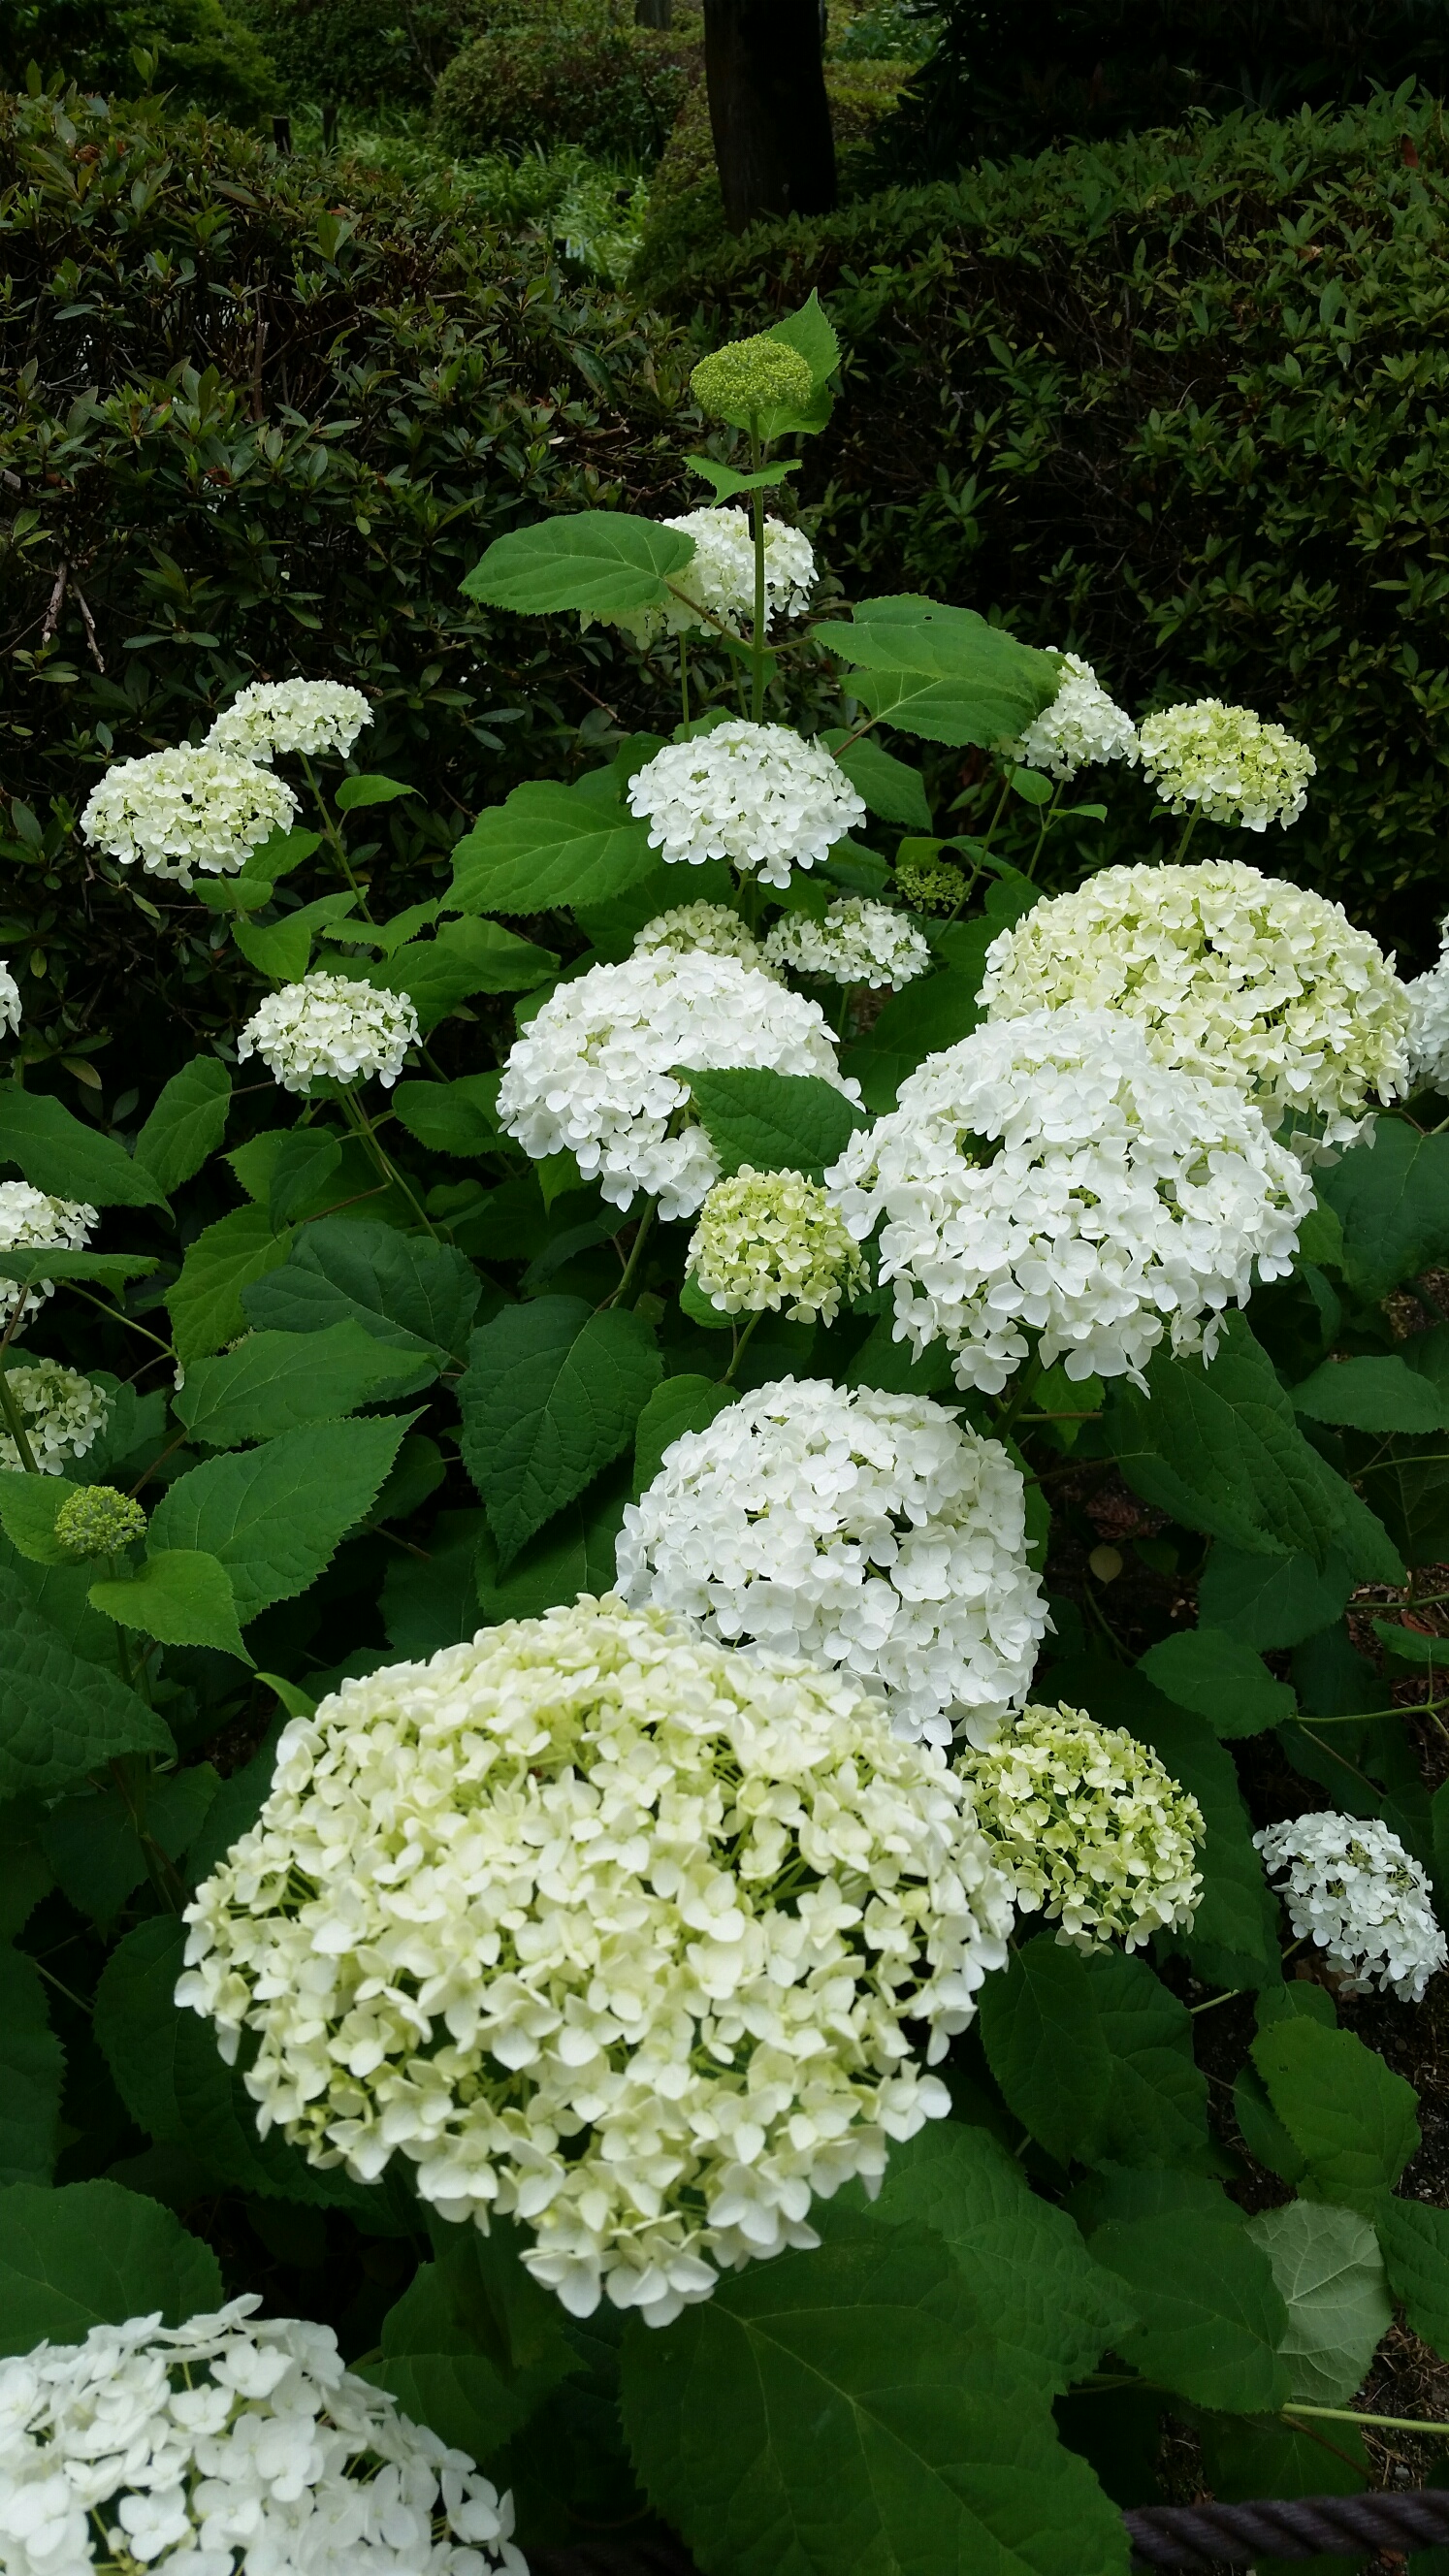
<point x="1080" y="727"/>
<point x="607" y="1929"/>
<point x="233" y="2445"/>
<point x="10" y="1006"/>
<point x="1349" y="1886"/>
<point x="1045" y="1176"/>
<point x="1225" y="764"/>
<point x="333" y="1026"/>
<point x="1090" y="1828"/>
<point x="700" y="925"/>
<point x="1230" y="974"/>
<point x="755" y="794"/>
<point x="273" y="716"/>
<point x="772" y="1240"/>
<point x="870" y="1532"/>
<point x="718" y="583"/>
<point x="857" y="942"/>
<point x="98" y="1521"/>
<point x="189" y="809"/>
<point x="1428" y="1031"/>
<point x="31" y="1220"/>
<point x="929" y="885"/>
<point x="63" y="1413"/>
<point x="601" y="1071"/>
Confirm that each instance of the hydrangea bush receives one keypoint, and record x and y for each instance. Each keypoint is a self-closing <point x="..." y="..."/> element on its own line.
<point x="690" y="1539"/>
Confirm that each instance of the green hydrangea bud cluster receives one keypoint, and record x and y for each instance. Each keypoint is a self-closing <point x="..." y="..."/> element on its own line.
<point x="750" y="376"/>
<point x="770" y="1239"/>
<point x="1090" y="1828"/>
<point x="929" y="885"/>
<point x="98" y="1521"/>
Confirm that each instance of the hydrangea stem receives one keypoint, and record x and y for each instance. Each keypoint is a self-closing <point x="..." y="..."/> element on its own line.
<point x="757" y="636"/>
<point x="742" y="1344"/>
<point x="14" y="1419"/>
<point x="1188" y="830"/>
<point x="621" y="1295"/>
<point x="683" y="680"/>
<point x="358" y="1119"/>
<point x="332" y="835"/>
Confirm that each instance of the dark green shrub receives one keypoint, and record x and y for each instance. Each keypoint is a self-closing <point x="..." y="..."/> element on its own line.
<point x="203" y="53"/>
<point x="614" y="89"/>
<point x="257" y="433"/>
<point x="363" y="51"/>
<point x="1178" y="402"/>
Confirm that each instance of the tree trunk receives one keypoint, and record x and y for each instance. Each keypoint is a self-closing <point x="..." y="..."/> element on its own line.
<point x="768" y="109"/>
<point x="654" y="13"/>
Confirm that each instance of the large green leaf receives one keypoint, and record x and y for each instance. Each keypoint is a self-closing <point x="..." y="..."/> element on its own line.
<point x="409" y="1293"/>
<point x="832" y="2411"/>
<point x="432" y="1601"/>
<point x="1267" y="1601"/>
<point x="181" y="1596"/>
<point x="923" y="1020"/>
<point x="677" y="1405"/>
<point x="275" y="1515"/>
<point x="92" y="1844"/>
<point x="283" y="949"/>
<point x="942" y="672"/>
<point x="551" y="1396"/>
<point x="1373" y="1395"/>
<point x="1218" y="1447"/>
<point x="26" y="1262"/>
<point x="1390" y="1193"/>
<point x="1045" y="2047"/>
<point x="1330" y="2273"/>
<point x="1212" y="2316"/>
<point x="56" y="1153"/>
<point x="548" y="845"/>
<point x="463" y="958"/>
<point x="32" y="2070"/>
<point x="1347" y="2113"/>
<point x="459" y="1118"/>
<point x="892" y="789"/>
<point x="279" y="1381"/>
<point x="613" y="927"/>
<point x="1034" y="2287"/>
<point x="1157" y="2107"/>
<point x="187" y="1123"/>
<point x="92" y="2254"/>
<point x="473" y="2346"/>
<point x="774" y="1121"/>
<point x="205" y="1303"/>
<point x="1212" y="1673"/>
<point x="1414" y="2239"/>
<point x="60" y="1716"/>
<point x="574" y="1554"/>
<point x="604" y="563"/>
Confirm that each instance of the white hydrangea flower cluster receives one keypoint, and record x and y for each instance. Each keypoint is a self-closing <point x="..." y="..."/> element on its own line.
<point x="64" y="1413"/>
<point x="1230" y="974"/>
<point x="1081" y="727"/>
<point x="272" y="716"/>
<point x="189" y="808"/>
<point x="1428" y="1035"/>
<point x="858" y="942"/>
<point x="869" y="1532"/>
<point x="770" y="1239"/>
<point x="332" y="1025"/>
<point x="755" y="794"/>
<point x="596" y="1073"/>
<point x="718" y="585"/>
<point x="700" y="925"/>
<point x="1045" y="1175"/>
<point x="1227" y="764"/>
<point x="30" y="1219"/>
<point x="607" y="1929"/>
<point x="1089" y="1827"/>
<point x="230" y="2443"/>
<point x="10" y="1006"/>
<point x="1350" y="1887"/>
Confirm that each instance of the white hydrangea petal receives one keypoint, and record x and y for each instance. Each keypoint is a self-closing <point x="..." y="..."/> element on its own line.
<point x="273" y="716"/>
<point x="1078" y="729"/>
<point x="1226" y="763"/>
<point x="720" y="578"/>
<point x="189" y="808"/>
<point x="857" y="942"/>
<point x="701" y="925"/>
<point x="1089" y="1826"/>
<point x="755" y="794"/>
<point x="1350" y="1887"/>
<point x="1428" y="1031"/>
<point x="30" y="1219"/>
<point x="10" y="1004"/>
<point x="332" y="1025"/>
<point x="63" y="1413"/>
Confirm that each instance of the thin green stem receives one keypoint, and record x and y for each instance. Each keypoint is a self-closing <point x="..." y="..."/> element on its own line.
<point x="331" y="833"/>
<point x="1189" y="829"/>
<point x="1350" y="2415"/>
<point x="15" y="1423"/>
<point x="757" y="636"/>
<point x="1214" y="2000"/>
<point x="52" y="1980"/>
<point x="357" y="1117"/>
<point x="636" y="1254"/>
<point x="996" y="817"/>
<point x="1048" y="817"/>
<point x="683" y="680"/>
<point x="115" y="1316"/>
<point x="742" y="1344"/>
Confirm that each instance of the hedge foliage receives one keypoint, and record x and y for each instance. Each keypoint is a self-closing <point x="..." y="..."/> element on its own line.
<point x="1177" y="401"/>
<point x="202" y="52"/>
<point x="615" y="90"/>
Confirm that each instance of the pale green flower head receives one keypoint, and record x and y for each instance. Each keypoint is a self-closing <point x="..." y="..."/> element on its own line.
<point x="747" y="377"/>
<point x="767" y="1240"/>
<point x="98" y="1521"/>
<point x="929" y="885"/>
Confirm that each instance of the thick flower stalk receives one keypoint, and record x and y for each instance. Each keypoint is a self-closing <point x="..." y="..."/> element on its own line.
<point x="869" y="1532"/>
<point x="857" y="942"/>
<point x="274" y="716"/>
<point x="61" y="1412"/>
<point x="1091" y="1829"/>
<point x="755" y="794"/>
<point x="1229" y="974"/>
<point x="187" y="809"/>
<point x="601" y="1071"/>
<point x="10" y="1005"/>
<point x="31" y="1220"/>
<point x="1044" y="1177"/>
<point x="717" y="587"/>
<point x="331" y="1025"/>
<point x="233" y="2445"/>
<point x="1226" y="764"/>
<point x="1080" y="728"/>
<point x="772" y="1240"/>
<point x="1350" y="1888"/>
<point x="607" y="1929"/>
<point x="700" y="925"/>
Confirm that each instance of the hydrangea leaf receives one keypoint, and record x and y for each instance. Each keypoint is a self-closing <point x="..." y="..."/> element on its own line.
<point x="604" y="563"/>
<point x="548" y="845"/>
<point x="283" y="949"/>
<point x="303" y="1176"/>
<point x="1373" y="1395"/>
<point x="372" y="789"/>
<point x="32" y="2070"/>
<point x="1220" y="1679"/>
<point x="181" y="1596"/>
<point x="1390" y="1193"/>
<point x="432" y="1601"/>
<point x="677" y="1405"/>
<point x="465" y="957"/>
<point x="1246" y="2457"/>
<point x="60" y="1715"/>
<point x="1268" y="1601"/>
<point x="1348" y="2114"/>
<point x="574" y="1554"/>
<point x="551" y="1396"/>
<point x="410" y="1294"/>
<point x="919" y="1022"/>
<point x="226" y="1258"/>
<point x="57" y="1154"/>
<point x="1045" y="2047"/>
<point x="104" y="1269"/>
<point x="28" y="1506"/>
<point x="1157" y="2107"/>
<point x="275" y="1515"/>
<point x="774" y="1121"/>
<point x="94" y="2254"/>
<point x="279" y="1381"/>
<point x="449" y="2357"/>
<point x="92" y="1845"/>
<point x="1212" y="2316"/>
<point x="1330" y="2273"/>
<point x="833" y="2409"/>
<point x="891" y="788"/>
<point x="458" y="1118"/>
<point x="1414" y="2239"/>
<point x="612" y="928"/>
<point x="941" y="672"/>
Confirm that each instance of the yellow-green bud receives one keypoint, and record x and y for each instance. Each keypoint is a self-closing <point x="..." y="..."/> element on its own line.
<point x="770" y="1239"/>
<point x="747" y="377"/>
<point x="98" y="1522"/>
<point x="929" y="885"/>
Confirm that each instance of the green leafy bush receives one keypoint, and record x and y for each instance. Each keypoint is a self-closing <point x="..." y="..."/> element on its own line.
<point x="613" y="89"/>
<point x="1175" y="401"/>
<point x="203" y="52"/>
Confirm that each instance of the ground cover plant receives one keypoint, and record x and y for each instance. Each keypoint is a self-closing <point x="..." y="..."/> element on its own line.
<point x="622" y="1912"/>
